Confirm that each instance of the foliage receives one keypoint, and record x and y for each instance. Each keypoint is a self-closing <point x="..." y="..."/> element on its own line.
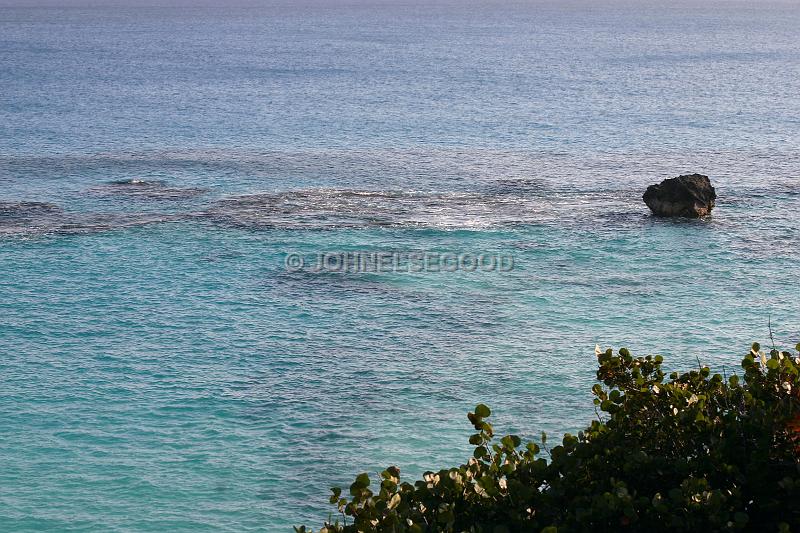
<point x="684" y="452"/>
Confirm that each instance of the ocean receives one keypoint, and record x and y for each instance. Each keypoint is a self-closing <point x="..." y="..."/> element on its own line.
<point x="166" y="367"/>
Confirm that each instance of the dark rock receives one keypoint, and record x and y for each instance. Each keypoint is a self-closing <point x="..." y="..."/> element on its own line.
<point x="690" y="196"/>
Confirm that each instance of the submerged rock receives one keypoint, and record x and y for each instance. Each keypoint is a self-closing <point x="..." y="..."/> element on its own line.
<point x="18" y="209"/>
<point x="690" y="196"/>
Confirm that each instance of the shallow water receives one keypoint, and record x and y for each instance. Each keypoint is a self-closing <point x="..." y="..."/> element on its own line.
<point x="163" y="370"/>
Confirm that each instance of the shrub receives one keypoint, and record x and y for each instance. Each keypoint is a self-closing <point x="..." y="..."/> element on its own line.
<point x="684" y="452"/>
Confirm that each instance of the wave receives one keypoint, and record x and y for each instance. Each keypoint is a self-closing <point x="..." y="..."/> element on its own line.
<point x="146" y="189"/>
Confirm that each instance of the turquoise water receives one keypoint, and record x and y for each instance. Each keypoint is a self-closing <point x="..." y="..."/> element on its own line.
<point x="162" y="370"/>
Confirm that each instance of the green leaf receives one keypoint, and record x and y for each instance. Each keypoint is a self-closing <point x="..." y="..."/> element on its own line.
<point x="482" y="410"/>
<point x="487" y="482"/>
<point x="480" y="452"/>
<point x="362" y="481"/>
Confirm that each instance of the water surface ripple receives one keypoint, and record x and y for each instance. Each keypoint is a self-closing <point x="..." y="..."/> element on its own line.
<point x="162" y="370"/>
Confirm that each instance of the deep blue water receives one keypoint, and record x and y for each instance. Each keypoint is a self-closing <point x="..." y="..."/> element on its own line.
<point x="162" y="370"/>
